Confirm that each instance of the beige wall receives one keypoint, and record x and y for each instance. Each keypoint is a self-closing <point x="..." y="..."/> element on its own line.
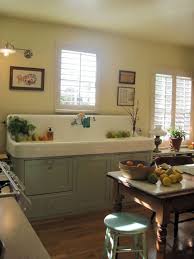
<point x="114" y="52"/>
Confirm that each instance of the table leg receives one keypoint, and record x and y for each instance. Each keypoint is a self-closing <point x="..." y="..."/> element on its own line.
<point x="118" y="197"/>
<point x="161" y="237"/>
<point x="162" y="219"/>
<point x="160" y="256"/>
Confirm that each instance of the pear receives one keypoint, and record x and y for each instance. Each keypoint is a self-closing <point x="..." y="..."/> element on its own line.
<point x="169" y="171"/>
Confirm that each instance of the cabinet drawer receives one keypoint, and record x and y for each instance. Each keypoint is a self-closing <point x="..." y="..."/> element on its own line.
<point x="49" y="205"/>
<point x="48" y="176"/>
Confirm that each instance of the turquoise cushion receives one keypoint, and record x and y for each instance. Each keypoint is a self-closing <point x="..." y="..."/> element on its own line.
<point x="126" y="222"/>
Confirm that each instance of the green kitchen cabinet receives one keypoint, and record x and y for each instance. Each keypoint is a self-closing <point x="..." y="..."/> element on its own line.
<point x="50" y="205"/>
<point x="59" y="186"/>
<point x="43" y="176"/>
<point x="91" y="188"/>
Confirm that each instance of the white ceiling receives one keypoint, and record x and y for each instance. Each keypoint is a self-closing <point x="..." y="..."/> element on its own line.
<point x="170" y="21"/>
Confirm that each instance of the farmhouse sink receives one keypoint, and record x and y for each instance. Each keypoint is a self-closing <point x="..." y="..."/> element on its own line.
<point x="75" y="140"/>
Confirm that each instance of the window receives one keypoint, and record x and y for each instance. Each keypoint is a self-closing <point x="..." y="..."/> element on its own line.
<point x="172" y="104"/>
<point x="77" y="82"/>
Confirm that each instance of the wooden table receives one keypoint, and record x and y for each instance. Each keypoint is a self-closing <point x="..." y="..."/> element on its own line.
<point x="163" y="200"/>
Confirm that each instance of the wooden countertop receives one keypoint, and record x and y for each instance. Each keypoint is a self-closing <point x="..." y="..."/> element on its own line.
<point x="18" y="236"/>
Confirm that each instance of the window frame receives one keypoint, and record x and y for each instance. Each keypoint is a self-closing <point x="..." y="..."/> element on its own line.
<point x="174" y="74"/>
<point x="74" y="108"/>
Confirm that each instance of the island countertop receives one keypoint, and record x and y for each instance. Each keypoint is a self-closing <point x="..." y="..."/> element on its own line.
<point x="16" y="233"/>
<point x="185" y="186"/>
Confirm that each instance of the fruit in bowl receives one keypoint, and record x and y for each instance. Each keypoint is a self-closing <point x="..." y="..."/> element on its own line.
<point x="140" y="165"/>
<point x="135" y="169"/>
<point x="129" y="163"/>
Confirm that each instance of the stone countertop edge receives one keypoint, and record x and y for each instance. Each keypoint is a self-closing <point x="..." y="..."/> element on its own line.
<point x="186" y="186"/>
<point x="16" y="233"/>
<point x="49" y="149"/>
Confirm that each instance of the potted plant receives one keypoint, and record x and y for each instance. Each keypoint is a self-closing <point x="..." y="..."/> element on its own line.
<point x="19" y="128"/>
<point x="176" y="137"/>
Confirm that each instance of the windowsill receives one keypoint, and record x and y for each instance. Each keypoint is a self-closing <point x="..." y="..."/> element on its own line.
<point x="66" y="111"/>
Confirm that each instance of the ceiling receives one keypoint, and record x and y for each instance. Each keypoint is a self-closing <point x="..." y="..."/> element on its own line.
<point x="170" y="21"/>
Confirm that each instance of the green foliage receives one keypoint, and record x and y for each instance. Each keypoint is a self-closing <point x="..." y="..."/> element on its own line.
<point x="118" y="134"/>
<point x="177" y="133"/>
<point x="19" y="126"/>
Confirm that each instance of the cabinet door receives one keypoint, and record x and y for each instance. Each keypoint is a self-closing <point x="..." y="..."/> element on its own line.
<point x="48" y="176"/>
<point x="91" y="181"/>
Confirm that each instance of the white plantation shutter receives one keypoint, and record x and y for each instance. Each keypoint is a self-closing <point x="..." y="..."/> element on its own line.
<point x="163" y="100"/>
<point x="172" y="101"/>
<point x="183" y="103"/>
<point x="77" y="79"/>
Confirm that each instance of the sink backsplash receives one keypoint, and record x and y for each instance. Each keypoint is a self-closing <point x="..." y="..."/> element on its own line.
<point x="65" y="131"/>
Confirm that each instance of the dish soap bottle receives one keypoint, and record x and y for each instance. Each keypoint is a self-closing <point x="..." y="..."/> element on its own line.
<point x="50" y="134"/>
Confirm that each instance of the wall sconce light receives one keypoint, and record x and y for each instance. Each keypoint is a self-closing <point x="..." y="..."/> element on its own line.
<point x="10" y="49"/>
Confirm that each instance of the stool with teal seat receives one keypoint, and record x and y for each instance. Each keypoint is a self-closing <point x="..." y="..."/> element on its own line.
<point x="125" y="224"/>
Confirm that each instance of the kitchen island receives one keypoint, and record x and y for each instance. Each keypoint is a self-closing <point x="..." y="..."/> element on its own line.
<point x="160" y="199"/>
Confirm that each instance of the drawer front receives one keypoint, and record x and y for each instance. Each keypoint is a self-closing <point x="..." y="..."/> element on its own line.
<point x="50" y="205"/>
<point x="48" y="176"/>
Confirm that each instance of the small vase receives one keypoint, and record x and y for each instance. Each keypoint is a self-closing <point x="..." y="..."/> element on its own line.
<point x="134" y="131"/>
<point x="175" y="144"/>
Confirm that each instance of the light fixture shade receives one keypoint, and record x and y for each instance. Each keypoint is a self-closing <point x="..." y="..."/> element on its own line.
<point x="10" y="49"/>
<point x="6" y="51"/>
<point x="158" y="131"/>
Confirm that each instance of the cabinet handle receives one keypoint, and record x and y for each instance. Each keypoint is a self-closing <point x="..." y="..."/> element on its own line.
<point x="50" y="164"/>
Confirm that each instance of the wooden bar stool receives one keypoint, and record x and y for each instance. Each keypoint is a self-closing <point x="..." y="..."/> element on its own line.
<point x="125" y="224"/>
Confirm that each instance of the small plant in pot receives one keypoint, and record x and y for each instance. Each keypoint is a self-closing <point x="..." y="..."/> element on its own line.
<point x="19" y="128"/>
<point x="176" y="137"/>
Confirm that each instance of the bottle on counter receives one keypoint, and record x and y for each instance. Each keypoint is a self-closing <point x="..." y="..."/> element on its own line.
<point x="50" y="134"/>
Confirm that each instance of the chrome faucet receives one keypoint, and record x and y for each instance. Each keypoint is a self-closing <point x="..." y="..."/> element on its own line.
<point x="82" y="119"/>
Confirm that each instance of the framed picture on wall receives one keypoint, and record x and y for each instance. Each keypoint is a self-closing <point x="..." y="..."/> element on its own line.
<point x="126" y="77"/>
<point x="26" y="78"/>
<point x="125" y="96"/>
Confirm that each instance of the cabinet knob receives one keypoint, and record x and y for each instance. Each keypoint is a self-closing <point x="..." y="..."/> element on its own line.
<point x="50" y="164"/>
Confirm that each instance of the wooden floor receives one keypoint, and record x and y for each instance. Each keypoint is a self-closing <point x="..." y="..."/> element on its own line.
<point x="82" y="237"/>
